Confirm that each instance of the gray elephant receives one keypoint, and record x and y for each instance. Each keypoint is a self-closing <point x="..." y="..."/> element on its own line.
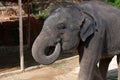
<point x="91" y="28"/>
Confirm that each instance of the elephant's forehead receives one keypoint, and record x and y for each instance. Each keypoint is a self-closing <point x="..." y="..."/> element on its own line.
<point x="55" y="19"/>
<point x="56" y="16"/>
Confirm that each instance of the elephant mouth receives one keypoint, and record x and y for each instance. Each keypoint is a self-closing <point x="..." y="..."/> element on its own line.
<point x="49" y="50"/>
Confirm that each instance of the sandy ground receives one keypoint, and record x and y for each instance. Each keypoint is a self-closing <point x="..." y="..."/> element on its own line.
<point x="62" y="70"/>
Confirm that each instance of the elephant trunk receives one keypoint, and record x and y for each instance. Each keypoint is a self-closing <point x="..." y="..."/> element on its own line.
<point x="43" y="53"/>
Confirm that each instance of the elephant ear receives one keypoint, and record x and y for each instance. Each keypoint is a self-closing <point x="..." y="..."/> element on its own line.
<point x="87" y="29"/>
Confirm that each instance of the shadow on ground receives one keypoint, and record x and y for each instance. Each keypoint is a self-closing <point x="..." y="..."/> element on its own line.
<point x="11" y="62"/>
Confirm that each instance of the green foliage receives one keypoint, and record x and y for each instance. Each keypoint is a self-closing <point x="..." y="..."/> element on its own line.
<point x="115" y="3"/>
<point x="44" y="13"/>
<point x="41" y="15"/>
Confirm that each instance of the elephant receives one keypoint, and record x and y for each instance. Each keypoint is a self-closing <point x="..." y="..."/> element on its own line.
<point x="92" y="28"/>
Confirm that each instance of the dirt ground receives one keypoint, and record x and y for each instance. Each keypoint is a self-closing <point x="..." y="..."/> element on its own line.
<point x="66" y="69"/>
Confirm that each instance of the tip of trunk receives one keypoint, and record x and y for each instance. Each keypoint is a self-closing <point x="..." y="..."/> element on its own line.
<point x="40" y="55"/>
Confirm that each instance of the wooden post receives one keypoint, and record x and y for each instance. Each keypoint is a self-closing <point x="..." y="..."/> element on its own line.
<point x="21" y="36"/>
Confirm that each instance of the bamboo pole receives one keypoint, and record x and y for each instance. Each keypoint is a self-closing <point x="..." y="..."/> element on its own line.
<point x="21" y="36"/>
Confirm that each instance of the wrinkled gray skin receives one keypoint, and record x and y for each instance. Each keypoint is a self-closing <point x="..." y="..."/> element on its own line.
<point x="91" y="28"/>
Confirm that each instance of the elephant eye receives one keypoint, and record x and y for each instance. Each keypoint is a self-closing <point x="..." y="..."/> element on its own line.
<point x="61" y="26"/>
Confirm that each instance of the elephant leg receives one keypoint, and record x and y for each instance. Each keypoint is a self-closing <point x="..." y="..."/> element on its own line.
<point x="91" y="55"/>
<point x="103" y="67"/>
<point x="88" y="64"/>
<point x="118" y="62"/>
<point x="97" y="74"/>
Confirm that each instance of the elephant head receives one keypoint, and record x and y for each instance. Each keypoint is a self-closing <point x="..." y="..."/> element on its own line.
<point x="61" y="31"/>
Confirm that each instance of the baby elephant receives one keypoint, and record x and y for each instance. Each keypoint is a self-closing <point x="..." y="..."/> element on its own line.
<point x="92" y="28"/>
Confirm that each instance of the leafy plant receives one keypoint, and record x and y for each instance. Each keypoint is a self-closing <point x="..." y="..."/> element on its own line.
<point x="44" y="13"/>
<point x="115" y="3"/>
<point x="41" y="15"/>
